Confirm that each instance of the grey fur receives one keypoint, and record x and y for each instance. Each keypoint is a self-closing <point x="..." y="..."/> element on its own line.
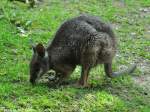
<point x="86" y="41"/>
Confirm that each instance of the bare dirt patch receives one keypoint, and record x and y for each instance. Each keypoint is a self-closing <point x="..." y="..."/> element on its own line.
<point x="144" y="79"/>
<point x="144" y="11"/>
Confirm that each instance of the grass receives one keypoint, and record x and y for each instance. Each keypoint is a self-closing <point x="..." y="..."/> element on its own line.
<point x="40" y="23"/>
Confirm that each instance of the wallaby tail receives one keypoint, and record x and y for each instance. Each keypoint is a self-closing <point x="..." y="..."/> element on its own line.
<point x="126" y="71"/>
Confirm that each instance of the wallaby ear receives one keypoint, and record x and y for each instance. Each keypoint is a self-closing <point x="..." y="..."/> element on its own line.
<point x="40" y="50"/>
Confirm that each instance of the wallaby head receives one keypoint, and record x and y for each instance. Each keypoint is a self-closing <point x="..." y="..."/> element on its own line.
<point x="39" y="63"/>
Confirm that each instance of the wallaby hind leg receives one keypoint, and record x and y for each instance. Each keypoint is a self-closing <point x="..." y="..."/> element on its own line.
<point x="84" y="77"/>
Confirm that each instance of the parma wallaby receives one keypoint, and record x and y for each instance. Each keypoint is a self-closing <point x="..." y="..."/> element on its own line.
<point x="84" y="41"/>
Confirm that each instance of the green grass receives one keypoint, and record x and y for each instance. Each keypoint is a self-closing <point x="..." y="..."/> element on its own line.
<point x="107" y="95"/>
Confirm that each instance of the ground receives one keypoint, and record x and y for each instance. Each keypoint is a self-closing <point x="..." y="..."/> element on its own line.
<point x="130" y="20"/>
